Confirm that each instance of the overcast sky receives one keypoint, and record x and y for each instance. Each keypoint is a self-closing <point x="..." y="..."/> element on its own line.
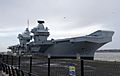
<point x="64" y="18"/>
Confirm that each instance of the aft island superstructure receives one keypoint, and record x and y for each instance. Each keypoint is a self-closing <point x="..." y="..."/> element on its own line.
<point x="84" y="46"/>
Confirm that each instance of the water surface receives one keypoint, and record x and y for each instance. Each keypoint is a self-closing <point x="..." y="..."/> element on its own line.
<point x="107" y="56"/>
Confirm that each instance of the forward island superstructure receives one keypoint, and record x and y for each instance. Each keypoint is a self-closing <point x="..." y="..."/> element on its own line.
<point x="84" y="46"/>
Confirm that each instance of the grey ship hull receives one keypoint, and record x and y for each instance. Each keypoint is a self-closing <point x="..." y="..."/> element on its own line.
<point x="84" y="46"/>
<point x="66" y="49"/>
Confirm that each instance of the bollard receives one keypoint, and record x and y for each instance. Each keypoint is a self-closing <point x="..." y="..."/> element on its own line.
<point x="72" y="71"/>
<point x="82" y="67"/>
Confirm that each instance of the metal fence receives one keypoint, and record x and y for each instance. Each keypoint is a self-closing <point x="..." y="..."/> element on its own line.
<point x="12" y="65"/>
<point x="44" y="66"/>
<point x="28" y="65"/>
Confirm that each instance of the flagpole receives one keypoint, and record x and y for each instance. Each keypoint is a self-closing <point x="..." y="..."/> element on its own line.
<point x="28" y="23"/>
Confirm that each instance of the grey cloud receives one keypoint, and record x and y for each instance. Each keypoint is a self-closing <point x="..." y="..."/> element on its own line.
<point x="60" y="14"/>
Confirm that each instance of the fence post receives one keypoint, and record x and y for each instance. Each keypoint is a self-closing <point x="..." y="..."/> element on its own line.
<point x="3" y="67"/>
<point x="9" y="71"/>
<point x="48" y="65"/>
<point x="2" y="58"/>
<point x="30" y="66"/>
<point x="22" y="73"/>
<point x="19" y="62"/>
<point x="6" y="59"/>
<point x="13" y="71"/>
<point x="82" y="67"/>
<point x="6" y="70"/>
<point x="17" y="72"/>
<point x="11" y="60"/>
<point x="18" y="69"/>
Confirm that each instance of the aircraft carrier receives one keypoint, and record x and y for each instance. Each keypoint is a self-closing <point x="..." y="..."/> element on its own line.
<point x="83" y="47"/>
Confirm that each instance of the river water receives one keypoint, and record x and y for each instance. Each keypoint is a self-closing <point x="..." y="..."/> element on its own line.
<point x="107" y="56"/>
